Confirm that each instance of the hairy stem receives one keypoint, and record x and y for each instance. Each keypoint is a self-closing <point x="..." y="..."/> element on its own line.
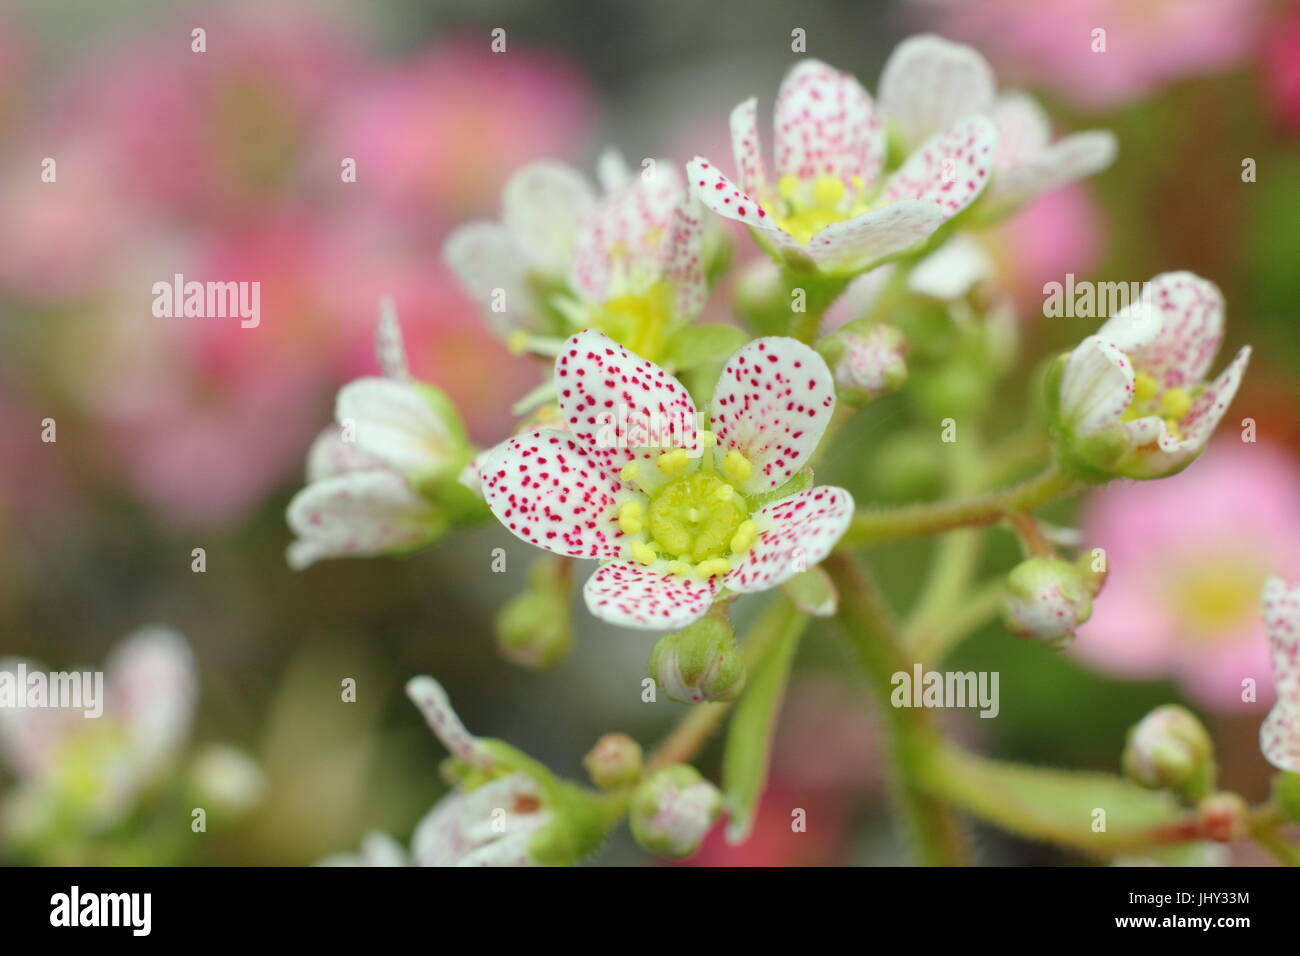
<point x="934" y="829"/>
<point x="870" y="527"/>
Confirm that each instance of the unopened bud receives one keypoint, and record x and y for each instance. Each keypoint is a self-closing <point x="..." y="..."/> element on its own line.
<point x="1046" y="599"/>
<point x="615" y="761"/>
<point x="533" y="629"/>
<point x="1222" y="816"/>
<point x="1170" y="749"/>
<point x="866" y="359"/>
<point x="700" y="662"/>
<point x="672" y="811"/>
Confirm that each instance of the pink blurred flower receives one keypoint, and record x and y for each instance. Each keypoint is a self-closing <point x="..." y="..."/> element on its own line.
<point x="1187" y="557"/>
<point x="1148" y="42"/>
<point x="1281" y="66"/>
<point x="436" y="136"/>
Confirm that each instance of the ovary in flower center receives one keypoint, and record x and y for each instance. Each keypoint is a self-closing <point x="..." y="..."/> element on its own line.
<point x="807" y="206"/>
<point x="639" y="321"/>
<point x="693" y="515"/>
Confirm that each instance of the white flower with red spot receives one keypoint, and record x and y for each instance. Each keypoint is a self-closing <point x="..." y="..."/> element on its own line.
<point x="1132" y="400"/>
<point x="929" y="83"/>
<point x="630" y="262"/>
<point x="832" y="202"/>
<point x="1279" y="737"/>
<point x="370" y="475"/>
<point x="663" y="506"/>
<point x="92" y="770"/>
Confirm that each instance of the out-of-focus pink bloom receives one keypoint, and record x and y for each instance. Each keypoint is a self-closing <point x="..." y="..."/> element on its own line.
<point x="792" y="827"/>
<point x="434" y="137"/>
<point x="1147" y="42"/>
<point x="1187" y="558"/>
<point x="1058" y="232"/>
<point x="1281" y="65"/>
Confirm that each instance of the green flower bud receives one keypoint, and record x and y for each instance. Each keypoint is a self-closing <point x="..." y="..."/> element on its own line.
<point x="1046" y="599"/>
<point x="534" y="629"/>
<point x="1222" y="816"/>
<point x="700" y="662"/>
<point x="615" y="761"/>
<point x="1169" y="748"/>
<point x="672" y="811"/>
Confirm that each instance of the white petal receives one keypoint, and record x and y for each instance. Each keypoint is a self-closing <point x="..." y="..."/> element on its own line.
<point x="826" y="125"/>
<point x="747" y="148"/>
<point x="1097" y="387"/>
<point x="952" y="270"/>
<point x="394" y="424"/>
<point x="929" y="83"/>
<point x="543" y="206"/>
<point x="330" y="455"/>
<point x="950" y="169"/>
<point x="795" y="533"/>
<point x="854" y="244"/>
<point x="492" y="269"/>
<point x="430" y="696"/>
<point x="649" y="598"/>
<point x="772" y="403"/>
<point x="360" y="514"/>
<point x="1071" y="158"/>
<point x="152" y="684"/>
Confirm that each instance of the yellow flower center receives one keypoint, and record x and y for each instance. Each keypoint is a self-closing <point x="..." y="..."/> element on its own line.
<point x="1170" y="404"/>
<point x="807" y="207"/>
<point x="1216" y="597"/>
<point x="638" y="322"/>
<point x="693" y="517"/>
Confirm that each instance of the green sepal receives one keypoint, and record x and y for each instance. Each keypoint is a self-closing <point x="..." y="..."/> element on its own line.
<point x="697" y="344"/>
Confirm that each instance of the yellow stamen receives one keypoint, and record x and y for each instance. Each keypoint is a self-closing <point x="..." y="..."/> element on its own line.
<point x="1144" y="387"/>
<point x="828" y="191"/>
<point x="674" y="462"/>
<point x="1175" y="403"/>
<point x="737" y="466"/>
<point x="713" y="567"/>
<point x="743" y="538"/>
<point x="630" y="471"/>
<point x="788" y="187"/>
<point x="644" y="552"/>
<point x="725" y="493"/>
<point x="680" y="567"/>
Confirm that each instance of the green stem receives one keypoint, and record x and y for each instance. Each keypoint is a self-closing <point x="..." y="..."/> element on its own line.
<point x="1265" y="830"/>
<point x="934" y="829"/>
<point x="779" y="619"/>
<point x="931" y="641"/>
<point x="870" y="527"/>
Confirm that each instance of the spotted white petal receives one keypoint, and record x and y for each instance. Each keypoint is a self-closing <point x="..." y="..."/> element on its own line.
<point x="650" y="598"/>
<point x="1069" y="159"/>
<point x="952" y="270"/>
<point x="1190" y="328"/>
<point x="929" y="83"/>
<point x="612" y="171"/>
<point x="152" y="684"/>
<point x="620" y="247"/>
<point x="795" y="533"/>
<point x="430" y="696"/>
<point x="548" y="490"/>
<point x="747" y="148"/>
<point x="772" y="403"/>
<point x="826" y="125"/>
<point x="389" y="349"/>
<point x="1097" y="386"/>
<point x="618" y="406"/>
<point x="465" y="829"/>
<point x="359" y="514"/>
<point x="684" y="260"/>
<point x="492" y="268"/>
<point x="1024" y="129"/>
<point x="394" y="423"/>
<point x="951" y="168"/>
<point x="721" y="195"/>
<point x="330" y="455"/>
<point x="543" y="207"/>
<point x="32" y="738"/>
<point x="1279" y="737"/>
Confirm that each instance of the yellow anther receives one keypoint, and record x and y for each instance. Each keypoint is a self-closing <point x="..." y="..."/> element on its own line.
<point x="743" y="538"/>
<point x="631" y="509"/>
<point x="630" y="471"/>
<point x="644" y="552"/>
<point x="680" y="567"/>
<point x="1175" y="403"/>
<point x="713" y="567"/>
<point x="725" y="493"/>
<point x="1144" y="387"/>
<point x="828" y="191"/>
<point x="629" y="524"/>
<point x="788" y="187"/>
<point x="737" y="466"/>
<point x="858" y="183"/>
<point x="674" y="462"/>
<point x="517" y="341"/>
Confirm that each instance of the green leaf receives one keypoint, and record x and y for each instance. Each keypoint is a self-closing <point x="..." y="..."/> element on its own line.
<point x="749" y="735"/>
<point x="1058" y="806"/>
